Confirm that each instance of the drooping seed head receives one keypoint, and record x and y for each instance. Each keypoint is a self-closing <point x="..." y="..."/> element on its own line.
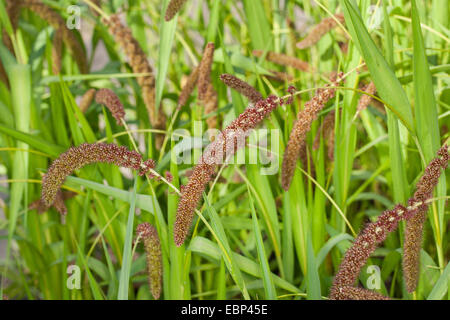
<point x="374" y="233"/>
<point x="301" y="127"/>
<point x="139" y="63"/>
<point x="108" y="98"/>
<point x="77" y="157"/>
<point x="284" y="60"/>
<point x="242" y="87"/>
<point x="58" y="23"/>
<point x="221" y="148"/>
<point x="152" y="247"/>
<point x="204" y="73"/>
<point x="173" y="8"/>
<point x="418" y="215"/>
<point x="87" y="99"/>
<point x="319" y="30"/>
<point x="188" y="87"/>
<point x="365" y="99"/>
<point x="352" y="293"/>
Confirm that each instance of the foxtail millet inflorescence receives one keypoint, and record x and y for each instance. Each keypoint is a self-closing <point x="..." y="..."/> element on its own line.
<point x="59" y="24"/>
<point x="221" y="148"/>
<point x="376" y="232"/>
<point x="87" y="99"/>
<point x="365" y="99"/>
<point x="77" y="157"/>
<point x="283" y="59"/>
<point x="319" y="30"/>
<point x="139" y="63"/>
<point x="414" y="226"/>
<point x="173" y="8"/>
<point x="326" y="130"/>
<point x="204" y="70"/>
<point x="152" y="246"/>
<point x="242" y="87"/>
<point x="301" y="127"/>
<point x="108" y="98"/>
<point x="188" y="87"/>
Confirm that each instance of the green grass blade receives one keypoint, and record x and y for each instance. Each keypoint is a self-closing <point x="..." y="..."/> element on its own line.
<point x="269" y="288"/>
<point x="124" y="278"/>
<point x="388" y="86"/>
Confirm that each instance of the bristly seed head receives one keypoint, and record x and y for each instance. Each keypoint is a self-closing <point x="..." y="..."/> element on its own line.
<point x="218" y="150"/>
<point x="374" y="233"/>
<point x="77" y="157"/>
<point x="173" y="8"/>
<point x="108" y="98"/>
<point x="152" y="247"/>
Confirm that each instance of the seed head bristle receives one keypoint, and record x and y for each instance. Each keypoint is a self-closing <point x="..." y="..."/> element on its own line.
<point x="173" y="8"/>
<point x="284" y="60"/>
<point x="204" y="73"/>
<point x="221" y="148"/>
<point x="59" y="24"/>
<point x="319" y="30"/>
<point x="152" y="247"/>
<point x="301" y="127"/>
<point x="108" y="98"/>
<point x="87" y="99"/>
<point x="139" y="63"/>
<point x="242" y="87"/>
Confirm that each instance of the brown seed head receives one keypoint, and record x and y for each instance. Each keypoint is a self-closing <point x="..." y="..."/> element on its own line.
<point x="374" y="233"/>
<point x="152" y="247"/>
<point x="173" y="8"/>
<point x="365" y="99"/>
<point x="301" y="128"/>
<point x="204" y="73"/>
<point x="77" y="157"/>
<point x="108" y="98"/>
<point x="221" y="148"/>
<point x="59" y="24"/>
<point x="87" y="99"/>
<point x="284" y="60"/>
<point x="139" y="63"/>
<point x="188" y="87"/>
<point x="319" y="30"/>
<point x="242" y="87"/>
